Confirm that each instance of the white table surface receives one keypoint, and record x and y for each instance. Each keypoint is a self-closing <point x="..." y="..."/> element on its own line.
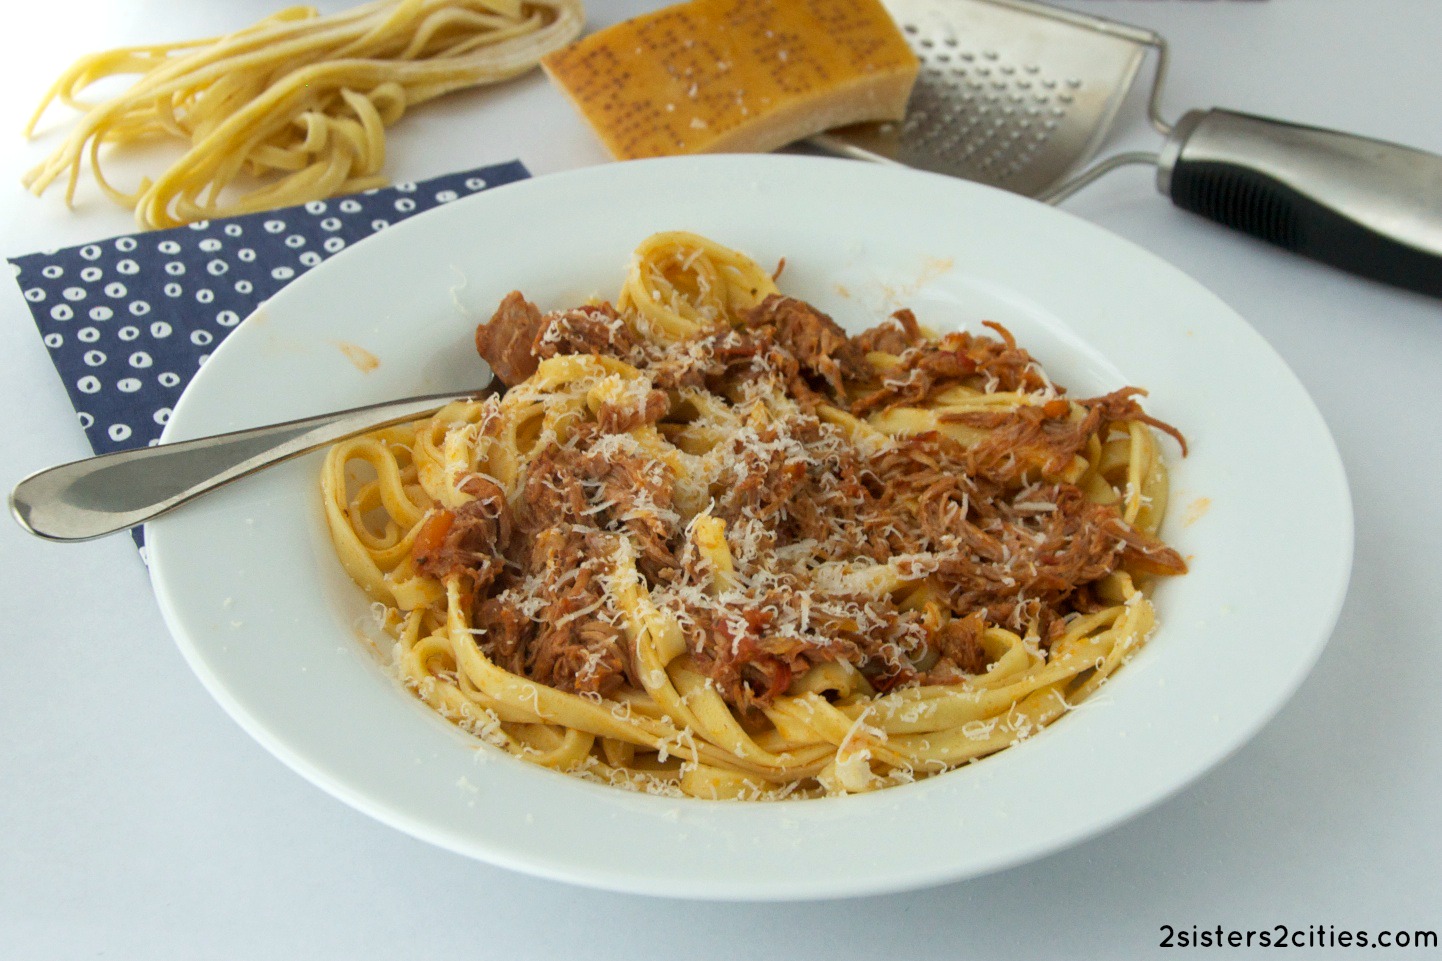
<point x="138" y="821"/>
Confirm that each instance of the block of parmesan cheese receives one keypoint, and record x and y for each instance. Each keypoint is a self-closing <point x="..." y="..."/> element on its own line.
<point x="714" y="76"/>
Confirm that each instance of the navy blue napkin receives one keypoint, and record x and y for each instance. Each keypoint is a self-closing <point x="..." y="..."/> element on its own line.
<point x="129" y="320"/>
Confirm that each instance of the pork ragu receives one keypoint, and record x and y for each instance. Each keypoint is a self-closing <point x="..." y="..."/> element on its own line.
<point x="987" y="524"/>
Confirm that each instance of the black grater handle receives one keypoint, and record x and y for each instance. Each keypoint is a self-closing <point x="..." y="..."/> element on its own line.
<point x="1366" y="206"/>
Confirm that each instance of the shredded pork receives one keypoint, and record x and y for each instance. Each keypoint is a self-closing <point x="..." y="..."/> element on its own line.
<point x="810" y="513"/>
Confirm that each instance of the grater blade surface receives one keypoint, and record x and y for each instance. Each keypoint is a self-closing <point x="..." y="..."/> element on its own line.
<point x="1010" y="94"/>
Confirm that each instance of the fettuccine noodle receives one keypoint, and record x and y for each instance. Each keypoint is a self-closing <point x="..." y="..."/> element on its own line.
<point x="708" y="545"/>
<point x="294" y="107"/>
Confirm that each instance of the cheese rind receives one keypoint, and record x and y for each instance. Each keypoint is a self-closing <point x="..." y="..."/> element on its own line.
<point x="713" y="76"/>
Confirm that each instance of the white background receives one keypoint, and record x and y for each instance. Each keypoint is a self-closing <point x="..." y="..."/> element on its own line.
<point x="138" y="821"/>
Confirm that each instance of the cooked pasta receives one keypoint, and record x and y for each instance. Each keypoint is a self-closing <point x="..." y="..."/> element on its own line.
<point x="707" y="544"/>
<point x="293" y="108"/>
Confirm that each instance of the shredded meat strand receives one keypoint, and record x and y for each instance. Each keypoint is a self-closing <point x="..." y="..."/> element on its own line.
<point x="825" y="356"/>
<point x="894" y="335"/>
<point x="507" y="340"/>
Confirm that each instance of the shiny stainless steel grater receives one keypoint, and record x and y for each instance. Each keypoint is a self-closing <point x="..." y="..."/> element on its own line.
<point x="1019" y="95"/>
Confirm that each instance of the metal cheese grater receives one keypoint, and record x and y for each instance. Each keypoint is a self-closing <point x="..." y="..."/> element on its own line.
<point x="1019" y="95"/>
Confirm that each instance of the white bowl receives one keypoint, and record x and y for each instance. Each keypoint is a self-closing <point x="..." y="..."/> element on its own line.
<point x="262" y="611"/>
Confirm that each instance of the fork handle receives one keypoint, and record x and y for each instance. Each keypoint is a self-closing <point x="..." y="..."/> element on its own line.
<point x="1367" y="206"/>
<point x="90" y="498"/>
